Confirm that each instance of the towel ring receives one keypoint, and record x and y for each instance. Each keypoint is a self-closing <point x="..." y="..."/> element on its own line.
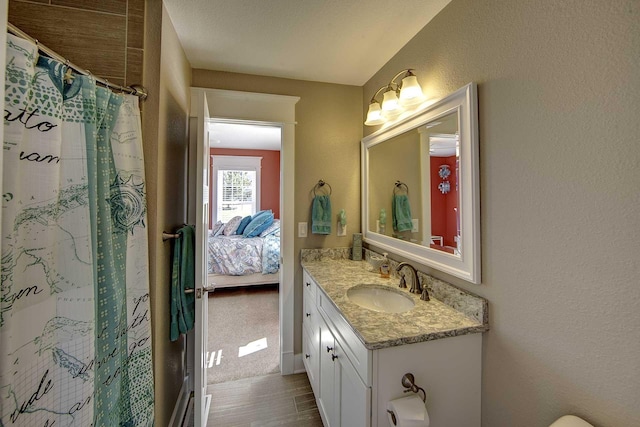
<point x="398" y="187"/>
<point x="319" y="185"/>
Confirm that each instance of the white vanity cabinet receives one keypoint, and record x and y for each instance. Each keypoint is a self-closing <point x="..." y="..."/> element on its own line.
<point x="343" y="397"/>
<point x="353" y="385"/>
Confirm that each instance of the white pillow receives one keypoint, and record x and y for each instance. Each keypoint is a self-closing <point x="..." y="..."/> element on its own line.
<point x="215" y="228"/>
<point x="273" y="228"/>
<point x="232" y="226"/>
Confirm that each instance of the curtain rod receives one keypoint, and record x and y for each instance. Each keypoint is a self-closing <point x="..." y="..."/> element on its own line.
<point x="137" y="90"/>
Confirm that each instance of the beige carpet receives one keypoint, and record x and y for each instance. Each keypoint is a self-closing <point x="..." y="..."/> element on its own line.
<point x="243" y="333"/>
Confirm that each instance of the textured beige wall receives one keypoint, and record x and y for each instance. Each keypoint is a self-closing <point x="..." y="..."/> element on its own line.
<point x="167" y="78"/>
<point x="327" y="136"/>
<point x="559" y="95"/>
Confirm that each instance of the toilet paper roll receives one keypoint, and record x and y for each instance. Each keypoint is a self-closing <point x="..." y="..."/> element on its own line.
<point x="409" y="411"/>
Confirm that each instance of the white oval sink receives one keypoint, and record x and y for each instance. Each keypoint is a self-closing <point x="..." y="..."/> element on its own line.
<point x="379" y="298"/>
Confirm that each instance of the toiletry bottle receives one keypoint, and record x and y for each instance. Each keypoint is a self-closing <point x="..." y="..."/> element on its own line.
<point x="385" y="267"/>
<point x="383" y="221"/>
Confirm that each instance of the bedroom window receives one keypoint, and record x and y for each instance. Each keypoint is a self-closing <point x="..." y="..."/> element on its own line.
<point x="236" y="185"/>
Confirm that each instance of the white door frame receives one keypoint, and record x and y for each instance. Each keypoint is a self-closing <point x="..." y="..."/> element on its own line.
<point x="278" y="110"/>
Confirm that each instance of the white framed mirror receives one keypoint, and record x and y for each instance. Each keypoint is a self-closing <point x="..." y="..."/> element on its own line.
<point x="421" y="186"/>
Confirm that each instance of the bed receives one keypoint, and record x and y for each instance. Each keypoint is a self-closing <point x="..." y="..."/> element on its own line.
<point x="236" y="260"/>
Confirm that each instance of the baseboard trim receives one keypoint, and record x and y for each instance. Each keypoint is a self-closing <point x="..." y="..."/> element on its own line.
<point x="181" y="404"/>
<point x="287" y="363"/>
<point x="298" y="364"/>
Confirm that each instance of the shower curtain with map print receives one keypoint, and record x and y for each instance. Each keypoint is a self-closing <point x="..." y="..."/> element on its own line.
<point x="75" y="336"/>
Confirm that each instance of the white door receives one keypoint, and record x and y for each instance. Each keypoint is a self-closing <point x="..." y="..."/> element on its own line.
<point x="201" y="399"/>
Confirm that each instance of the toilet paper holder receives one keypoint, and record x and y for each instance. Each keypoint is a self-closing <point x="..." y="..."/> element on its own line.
<point x="409" y="382"/>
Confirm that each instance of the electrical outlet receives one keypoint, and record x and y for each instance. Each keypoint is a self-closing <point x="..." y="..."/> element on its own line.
<point x="342" y="229"/>
<point x="302" y="229"/>
<point x="415" y="222"/>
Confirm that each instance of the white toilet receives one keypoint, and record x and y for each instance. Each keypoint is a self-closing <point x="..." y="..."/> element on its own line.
<point x="570" y="421"/>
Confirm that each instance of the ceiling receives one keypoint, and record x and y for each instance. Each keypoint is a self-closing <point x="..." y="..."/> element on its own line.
<point x="334" y="41"/>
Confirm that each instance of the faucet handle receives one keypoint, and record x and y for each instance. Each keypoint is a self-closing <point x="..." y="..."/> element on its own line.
<point x="403" y="281"/>
<point x="425" y="295"/>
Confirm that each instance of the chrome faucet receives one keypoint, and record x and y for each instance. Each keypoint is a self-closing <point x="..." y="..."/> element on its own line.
<point x="416" y="288"/>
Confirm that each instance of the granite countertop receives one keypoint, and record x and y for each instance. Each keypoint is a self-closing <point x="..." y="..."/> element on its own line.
<point x="427" y="320"/>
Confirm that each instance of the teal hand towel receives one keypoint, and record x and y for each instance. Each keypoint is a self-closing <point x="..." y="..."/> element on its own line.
<point x="401" y="211"/>
<point x="321" y="215"/>
<point x="183" y="276"/>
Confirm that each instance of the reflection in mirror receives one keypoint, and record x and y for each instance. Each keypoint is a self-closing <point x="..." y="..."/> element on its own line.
<point x="393" y="163"/>
<point x="415" y="180"/>
<point x="420" y="186"/>
<point x="440" y="153"/>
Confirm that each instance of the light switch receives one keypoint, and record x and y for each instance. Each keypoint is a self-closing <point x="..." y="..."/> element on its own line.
<point x="415" y="222"/>
<point x="302" y="229"/>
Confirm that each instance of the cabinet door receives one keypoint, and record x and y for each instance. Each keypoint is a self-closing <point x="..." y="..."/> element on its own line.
<point x="354" y="404"/>
<point x="328" y="398"/>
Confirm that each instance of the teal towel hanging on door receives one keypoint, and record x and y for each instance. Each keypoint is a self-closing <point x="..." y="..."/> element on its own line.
<point x="183" y="277"/>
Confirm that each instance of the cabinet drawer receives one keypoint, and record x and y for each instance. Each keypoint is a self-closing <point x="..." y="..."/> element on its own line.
<point x="355" y="350"/>
<point x="310" y="315"/>
<point x="308" y="284"/>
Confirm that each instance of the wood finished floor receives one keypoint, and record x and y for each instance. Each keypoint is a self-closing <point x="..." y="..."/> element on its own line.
<point x="269" y="400"/>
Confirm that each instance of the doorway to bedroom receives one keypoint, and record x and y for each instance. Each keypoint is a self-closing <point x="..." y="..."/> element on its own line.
<point x="244" y="250"/>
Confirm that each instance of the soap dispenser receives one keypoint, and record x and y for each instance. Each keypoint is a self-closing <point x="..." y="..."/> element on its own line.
<point x="385" y="267"/>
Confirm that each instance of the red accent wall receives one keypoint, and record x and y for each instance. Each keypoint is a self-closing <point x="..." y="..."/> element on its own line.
<point x="443" y="215"/>
<point x="269" y="179"/>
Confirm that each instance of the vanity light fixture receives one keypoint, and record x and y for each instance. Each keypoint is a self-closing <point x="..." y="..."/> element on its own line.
<point x="396" y="99"/>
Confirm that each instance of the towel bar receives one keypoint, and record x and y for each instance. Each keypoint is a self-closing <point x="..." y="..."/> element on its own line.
<point x="189" y="291"/>
<point x="167" y="236"/>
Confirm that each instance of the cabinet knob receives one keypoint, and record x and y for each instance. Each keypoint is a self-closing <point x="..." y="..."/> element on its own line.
<point x="333" y="357"/>
<point x="329" y="349"/>
<point x="308" y="284"/>
<point x="306" y="356"/>
<point x="308" y="314"/>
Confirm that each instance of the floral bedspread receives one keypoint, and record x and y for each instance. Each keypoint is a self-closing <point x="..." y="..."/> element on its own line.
<point x="240" y="256"/>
